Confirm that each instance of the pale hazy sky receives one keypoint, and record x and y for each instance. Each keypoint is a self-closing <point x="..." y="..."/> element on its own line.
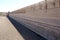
<point x="11" y="5"/>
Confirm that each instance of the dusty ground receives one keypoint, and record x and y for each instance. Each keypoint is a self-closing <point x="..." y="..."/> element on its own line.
<point x="7" y="30"/>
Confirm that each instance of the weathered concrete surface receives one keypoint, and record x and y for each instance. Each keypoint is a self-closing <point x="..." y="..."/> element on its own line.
<point x="7" y="30"/>
<point x="47" y="27"/>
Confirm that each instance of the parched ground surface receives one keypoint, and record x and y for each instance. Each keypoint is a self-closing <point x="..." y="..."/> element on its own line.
<point x="7" y="30"/>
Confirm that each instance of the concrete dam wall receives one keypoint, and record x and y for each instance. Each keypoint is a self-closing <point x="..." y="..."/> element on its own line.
<point x="42" y="9"/>
<point x="42" y="18"/>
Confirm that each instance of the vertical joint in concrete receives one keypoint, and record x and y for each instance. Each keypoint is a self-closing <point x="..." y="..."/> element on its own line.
<point x="57" y="3"/>
<point x="40" y="6"/>
<point x="50" y="4"/>
<point x="32" y="7"/>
